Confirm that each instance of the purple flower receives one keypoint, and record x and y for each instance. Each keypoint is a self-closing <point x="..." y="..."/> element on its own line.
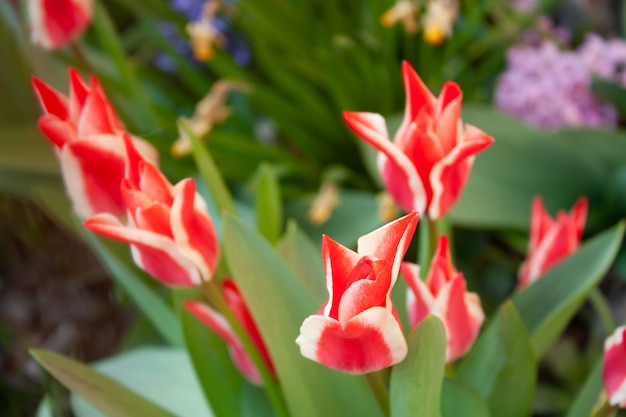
<point x="550" y="89"/>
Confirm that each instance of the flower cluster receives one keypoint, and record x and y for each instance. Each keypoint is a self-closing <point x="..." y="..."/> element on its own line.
<point x="534" y="89"/>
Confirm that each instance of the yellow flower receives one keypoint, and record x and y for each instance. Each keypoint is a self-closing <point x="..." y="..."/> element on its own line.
<point x="438" y="20"/>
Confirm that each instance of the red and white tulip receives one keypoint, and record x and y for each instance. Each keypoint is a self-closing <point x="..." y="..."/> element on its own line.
<point x="55" y="23"/>
<point x="614" y="367"/>
<point x="215" y="321"/>
<point x="429" y="161"/>
<point x="444" y="294"/>
<point x="171" y="234"/>
<point x="358" y="331"/>
<point x="551" y="240"/>
<point x="87" y="136"/>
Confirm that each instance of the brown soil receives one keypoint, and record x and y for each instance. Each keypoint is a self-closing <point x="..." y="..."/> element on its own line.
<point x="53" y="295"/>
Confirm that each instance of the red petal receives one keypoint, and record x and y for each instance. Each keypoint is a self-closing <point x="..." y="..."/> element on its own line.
<point x="399" y="173"/>
<point x="420" y="301"/>
<point x="371" y="341"/>
<point x="462" y="317"/>
<point x="79" y="91"/>
<point x="371" y="286"/>
<point x="93" y="170"/>
<point x="93" y="117"/>
<point x="448" y="119"/>
<point x="441" y="269"/>
<point x="216" y="322"/>
<point x="193" y="230"/>
<point x="58" y="131"/>
<point x="57" y="23"/>
<point x="449" y="175"/>
<point x="154" y="253"/>
<point x="418" y="97"/>
<point x="339" y="262"/>
<point x="50" y="99"/>
<point x="240" y="309"/>
<point x="614" y="367"/>
<point x="390" y="242"/>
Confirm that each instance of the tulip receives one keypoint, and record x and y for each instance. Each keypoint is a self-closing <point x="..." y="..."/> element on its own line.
<point x="216" y="322"/>
<point x="358" y="331"/>
<point x="55" y="23"/>
<point x="444" y="295"/>
<point x="87" y="136"/>
<point x="551" y="240"/>
<point x="171" y="235"/>
<point x="614" y="367"/>
<point x="427" y="165"/>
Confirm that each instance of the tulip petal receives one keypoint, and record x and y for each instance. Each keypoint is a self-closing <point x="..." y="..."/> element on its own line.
<point x="193" y="230"/>
<point x="462" y="317"/>
<point x="51" y="100"/>
<point x="614" y="367"/>
<point x="79" y="91"/>
<point x="371" y="283"/>
<point x="370" y="341"/>
<point x="448" y="123"/>
<point x="53" y="24"/>
<point x="441" y="269"/>
<point x="237" y="304"/>
<point x="339" y="262"/>
<point x="216" y="322"/>
<point x="449" y="175"/>
<point x="400" y="176"/>
<point x="154" y="253"/>
<point x="58" y="131"/>
<point x="418" y="99"/>
<point x="420" y="301"/>
<point x="93" y="170"/>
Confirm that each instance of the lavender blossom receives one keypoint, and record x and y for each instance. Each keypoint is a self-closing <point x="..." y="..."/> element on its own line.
<point x="551" y="89"/>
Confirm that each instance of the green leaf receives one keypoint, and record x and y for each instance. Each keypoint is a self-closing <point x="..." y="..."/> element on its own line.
<point x="222" y="383"/>
<point x="106" y="394"/>
<point x="501" y="366"/>
<point x="163" y="375"/>
<point x="208" y="169"/>
<point x="305" y="259"/>
<point x="462" y="400"/>
<point x="279" y="302"/>
<point x="589" y="395"/>
<point x="416" y="381"/>
<point x="116" y="259"/>
<point x="549" y="303"/>
<point x="521" y="163"/>
<point x="610" y="91"/>
<point x="269" y="216"/>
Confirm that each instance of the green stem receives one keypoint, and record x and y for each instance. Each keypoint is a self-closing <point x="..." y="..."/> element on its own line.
<point x="604" y="409"/>
<point x="269" y="382"/>
<point x="427" y="244"/>
<point x="77" y="50"/>
<point x="379" y="389"/>
<point x="599" y="302"/>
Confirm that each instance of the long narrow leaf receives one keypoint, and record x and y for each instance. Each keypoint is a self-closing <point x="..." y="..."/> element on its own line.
<point x="549" y="304"/>
<point x="104" y="393"/>
<point x="416" y="382"/>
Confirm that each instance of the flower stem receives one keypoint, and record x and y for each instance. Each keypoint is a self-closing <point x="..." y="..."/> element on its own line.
<point x="601" y="305"/>
<point x="427" y="244"/>
<point x="376" y="383"/>
<point x="270" y="384"/>
<point x="604" y="409"/>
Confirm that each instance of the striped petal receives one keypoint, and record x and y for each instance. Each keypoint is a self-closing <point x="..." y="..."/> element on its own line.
<point x="399" y="173"/>
<point x="370" y="341"/>
<point x="216" y="322"/>
<point x="152" y="252"/>
<point x="614" y="367"/>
